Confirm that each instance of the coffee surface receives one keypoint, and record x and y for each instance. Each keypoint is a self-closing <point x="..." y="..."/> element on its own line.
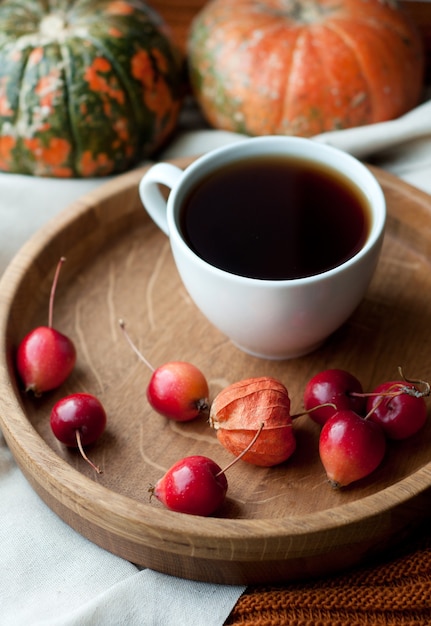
<point x="275" y="218"/>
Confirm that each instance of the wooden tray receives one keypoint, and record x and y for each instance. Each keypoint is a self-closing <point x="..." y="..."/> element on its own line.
<point x="282" y="523"/>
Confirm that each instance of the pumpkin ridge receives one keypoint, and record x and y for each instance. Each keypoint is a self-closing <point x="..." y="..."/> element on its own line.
<point x="138" y="114"/>
<point x="267" y="23"/>
<point x="290" y="82"/>
<point x="16" y="109"/>
<point x="125" y="83"/>
<point x="376" y="29"/>
<point x="135" y="109"/>
<point x="68" y="81"/>
<point x="42" y="134"/>
<point x="399" y="31"/>
<point x="350" y="43"/>
<point x="137" y="105"/>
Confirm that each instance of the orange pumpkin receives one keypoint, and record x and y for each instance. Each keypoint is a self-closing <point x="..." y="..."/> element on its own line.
<point x="302" y="67"/>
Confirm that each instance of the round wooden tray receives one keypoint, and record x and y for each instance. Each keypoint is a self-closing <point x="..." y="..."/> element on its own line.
<point x="282" y="523"/>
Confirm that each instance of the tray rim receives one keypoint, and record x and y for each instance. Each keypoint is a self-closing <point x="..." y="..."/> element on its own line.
<point x="64" y="478"/>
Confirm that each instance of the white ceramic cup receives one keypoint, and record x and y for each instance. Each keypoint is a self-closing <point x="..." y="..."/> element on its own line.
<point x="274" y="319"/>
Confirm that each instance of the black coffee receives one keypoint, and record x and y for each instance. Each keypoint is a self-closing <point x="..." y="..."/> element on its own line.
<point x="275" y="218"/>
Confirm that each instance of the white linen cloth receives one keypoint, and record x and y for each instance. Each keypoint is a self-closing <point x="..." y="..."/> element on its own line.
<point x="49" y="574"/>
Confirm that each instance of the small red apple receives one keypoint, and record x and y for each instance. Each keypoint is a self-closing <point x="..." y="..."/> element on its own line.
<point x="332" y="386"/>
<point x="350" y="447"/>
<point x="45" y="357"/>
<point x="177" y="390"/>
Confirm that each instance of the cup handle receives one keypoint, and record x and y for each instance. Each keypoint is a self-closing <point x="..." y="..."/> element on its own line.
<point x="151" y="196"/>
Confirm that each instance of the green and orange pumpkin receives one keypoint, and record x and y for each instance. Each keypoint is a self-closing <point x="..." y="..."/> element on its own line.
<point x="303" y="67"/>
<point x="87" y="87"/>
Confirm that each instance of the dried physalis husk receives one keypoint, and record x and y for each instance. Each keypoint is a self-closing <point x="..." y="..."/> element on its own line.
<point x="240" y="410"/>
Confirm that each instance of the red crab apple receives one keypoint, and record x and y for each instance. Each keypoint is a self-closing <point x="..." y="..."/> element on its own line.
<point x="177" y="390"/>
<point x="332" y="386"/>
<point x="350" y="447"/>
<point x="196" y="484"/>
<point x="45" y="357"/>
<point x="399" y="407"/>
<point x="78" y="420"/>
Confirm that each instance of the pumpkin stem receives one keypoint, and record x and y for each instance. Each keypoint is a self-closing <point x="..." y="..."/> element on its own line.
<point x="51" y="25"/>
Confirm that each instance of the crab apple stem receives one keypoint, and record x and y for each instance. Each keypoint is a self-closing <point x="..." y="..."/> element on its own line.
<point x="132" y="345"/>
<point x="314" y="408"/>
<point x="246" y="449"/>
<point x="383" y="396"/>
<point x="399" y="389"/>
<point x="53" y="289"/>
<point x="426" y="388"/>
<point x="82" y="451"/>
<point x="375" y="407"/>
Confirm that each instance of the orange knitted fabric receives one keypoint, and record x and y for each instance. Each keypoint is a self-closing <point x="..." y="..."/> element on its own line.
<point x="394" y="592"/>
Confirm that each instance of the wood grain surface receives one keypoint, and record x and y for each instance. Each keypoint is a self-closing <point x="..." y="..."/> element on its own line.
<point x="281" y="523"/>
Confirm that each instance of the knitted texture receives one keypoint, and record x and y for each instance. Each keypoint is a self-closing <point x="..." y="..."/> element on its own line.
<point x="395" y="592"/>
